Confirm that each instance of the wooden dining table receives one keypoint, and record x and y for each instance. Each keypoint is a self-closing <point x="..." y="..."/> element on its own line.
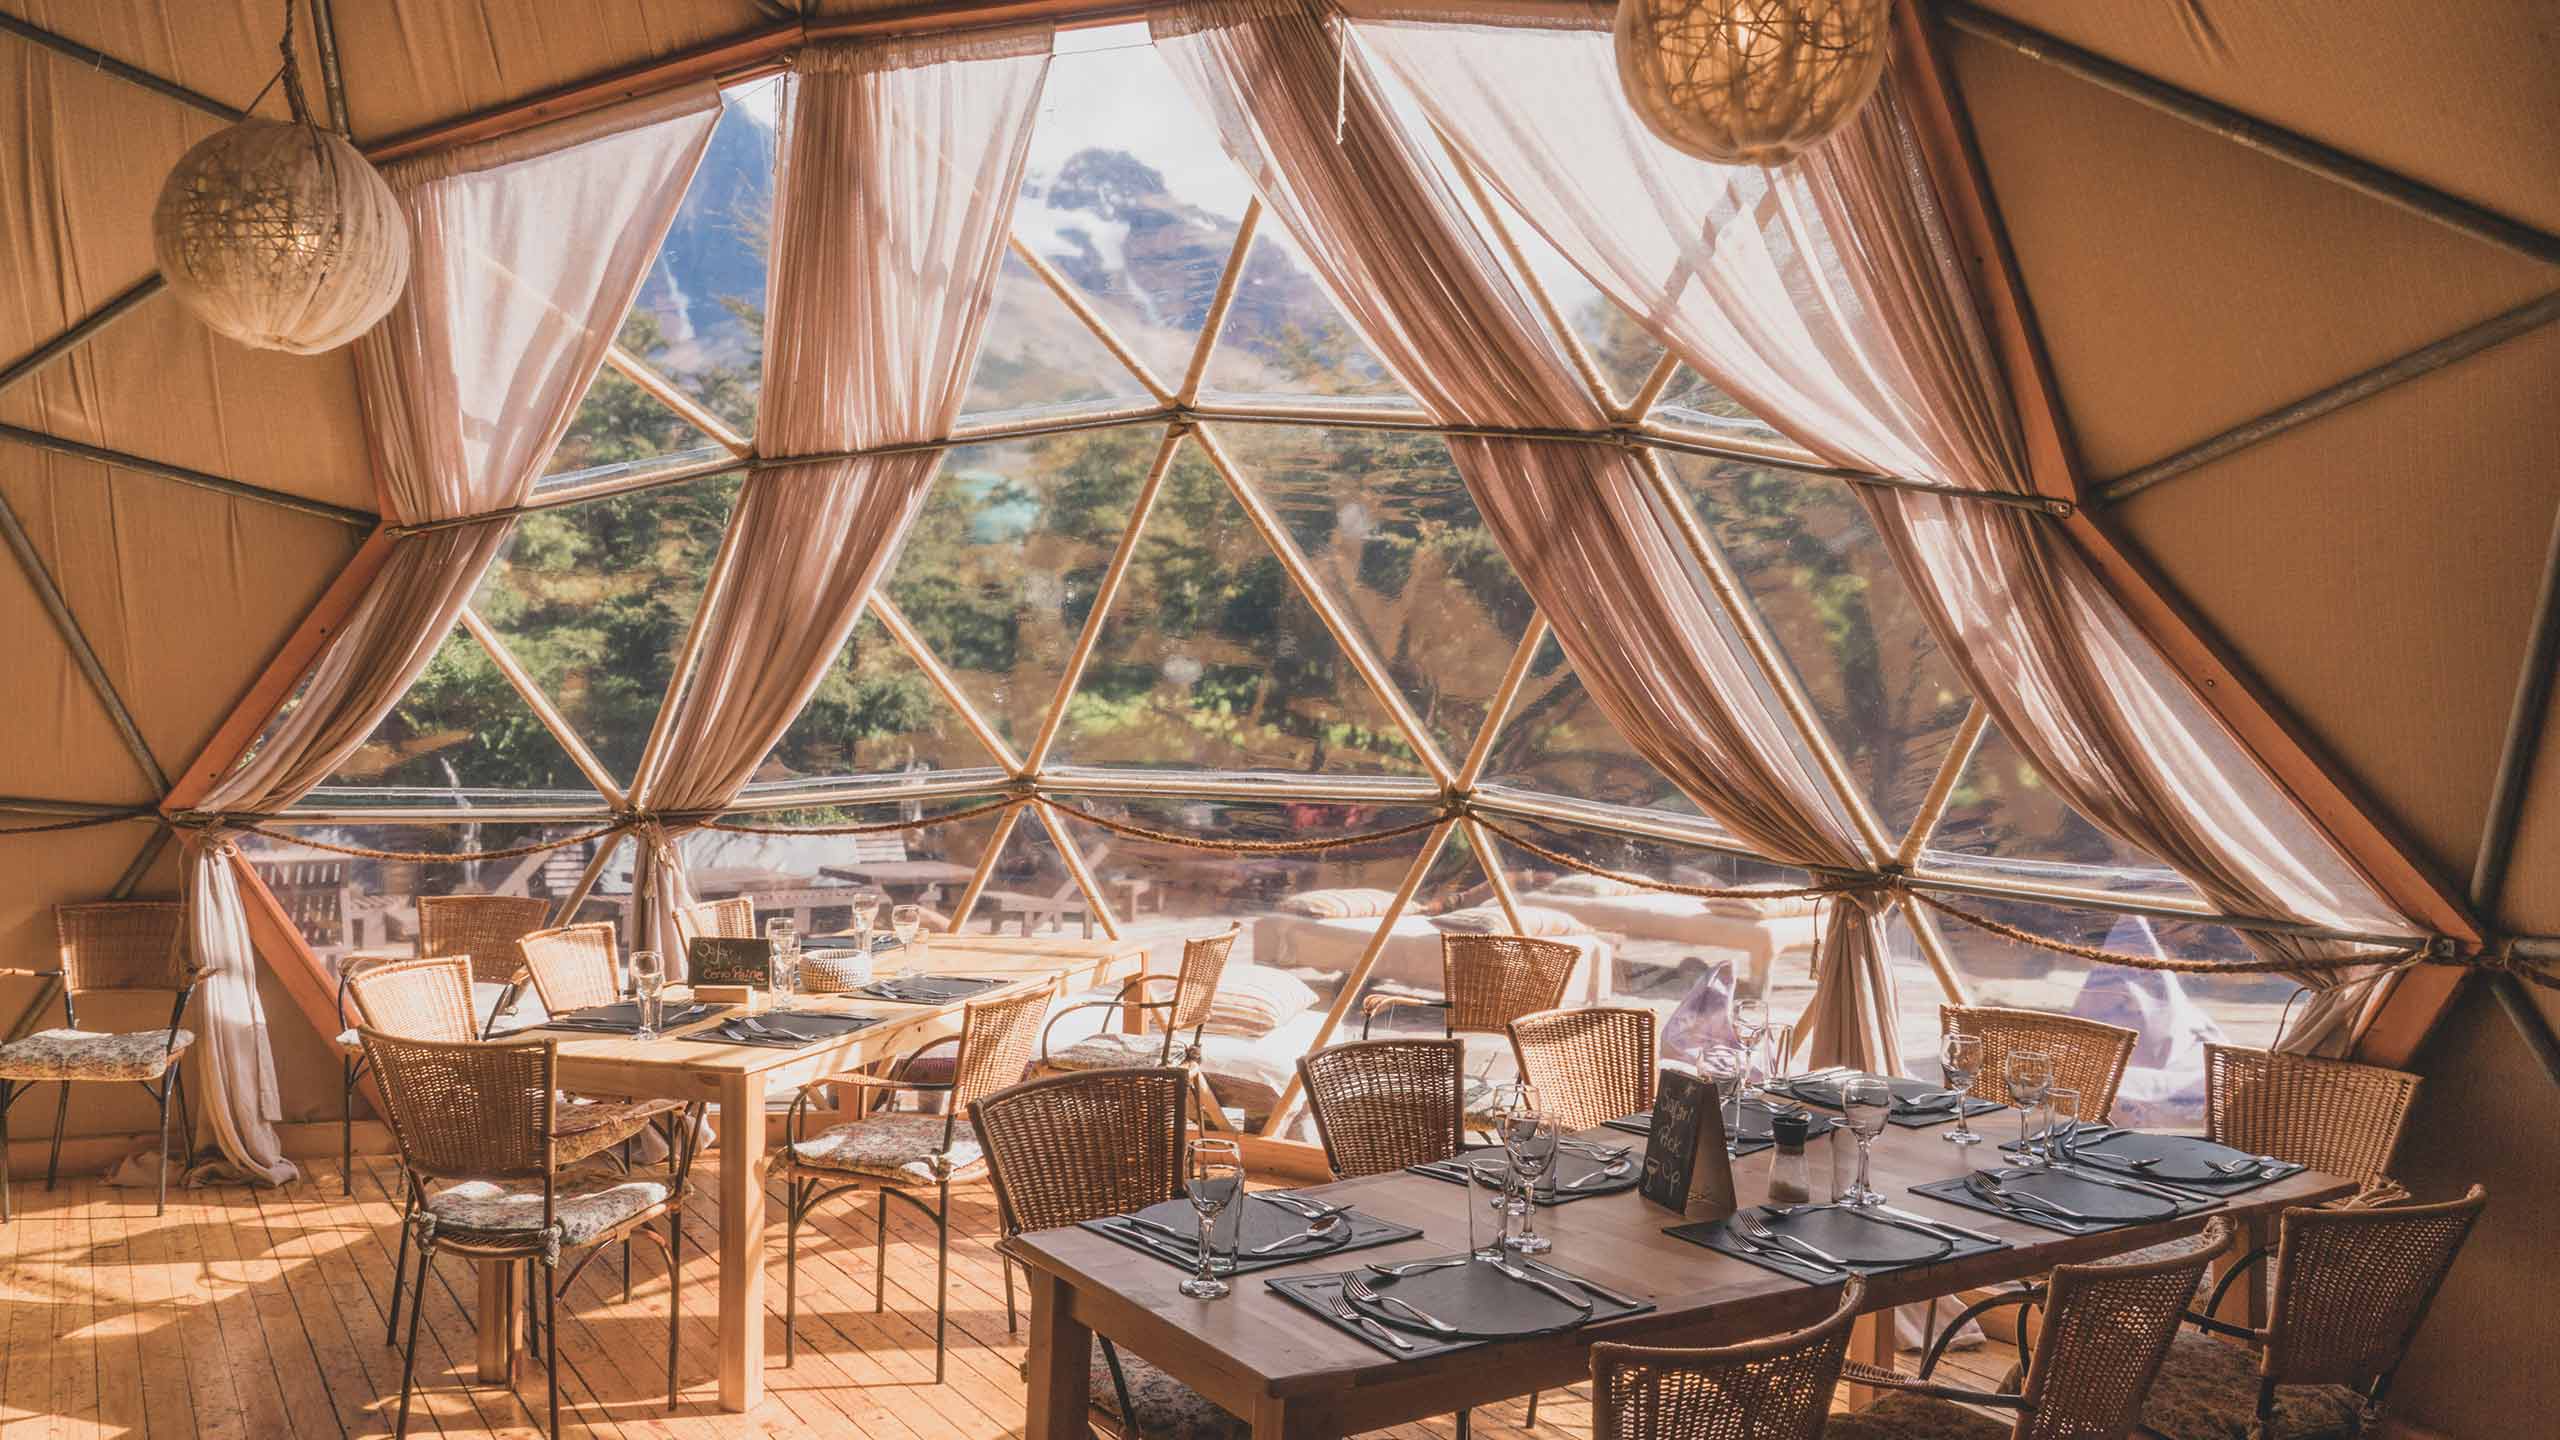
<point x="739" y="1078"/>
<point x="1268" y="1362"/>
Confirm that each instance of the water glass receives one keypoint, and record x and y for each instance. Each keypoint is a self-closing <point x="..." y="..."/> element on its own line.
<point x="1213" y="1180"/>
<point x="784" y="939"/>
<point x="1866" y="1101"/>
<point x="648" y="984"/>
<point x="2061" y="1118"/>
<point x="1529" y="1138"/>
<point x="2029" y="1075"/>
<point x="907" y="922"/>
<point x="1725" y="1068"/>
<point x="1750" y="1022"/>
<point x="1781" y="1044"/>
<point x="1960" y="1064"/>
<point x="866" y="915"/>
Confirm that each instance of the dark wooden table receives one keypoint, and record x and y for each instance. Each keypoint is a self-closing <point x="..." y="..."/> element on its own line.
<point x="1290" y="1375"/>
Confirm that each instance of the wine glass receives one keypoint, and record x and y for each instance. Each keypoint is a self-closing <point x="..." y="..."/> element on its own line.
<point x="1960" y="1064"/>
<point x="906" y="922"/>
<point x="1724" y="1068"/>
<point x="648" y="982"/>
<point x="1866" y="1101"/>
<point x="783" y="937"/>
<point x="1529" y="1137"/>
<point x="866" y="914"/>
<point x="2029" y="1074"/>
<point x="2061" y="1120"/>
<point x="1510" y="1099"/>
<point x="1750" y="1023"/>
<point x="1213" y="1179"/>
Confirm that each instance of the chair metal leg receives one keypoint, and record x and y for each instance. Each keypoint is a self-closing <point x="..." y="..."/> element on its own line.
<point x="551" y="1344"/>
<point x="1120" y="1387"/>
<point x="626" y="1271"/>
<point x="1462" y="1424"/>
<point x="399" y="1270"/>
<point x="1531" y="1422"/>
<point x="941" y="1279"/>
<point x="186" y="1115"/>
<point x="880" y="1259"/>
<point x="8" y="1093"/>
<point x="537" y="1335"/>
<point x="347" y="1127"/>
<point x="409" y="1357"/>
<point x="791" y="1210"/>
<point x="168" y="1084"/>
<point x="675" y="1296"/>
<point x="1004" y="1263"/>
<point x="61" y="1114"/>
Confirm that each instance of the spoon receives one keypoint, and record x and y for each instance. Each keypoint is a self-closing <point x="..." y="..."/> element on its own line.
<point x="1317" y="1229"/>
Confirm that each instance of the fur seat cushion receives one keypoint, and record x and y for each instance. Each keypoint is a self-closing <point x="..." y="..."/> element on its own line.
<point x="1902" y="1416"/>
<point x="899" y="1146"/>
<point x="1111" y="1050"/>
<point x="583" y="1208"/>
<point x="2208" y="1390"/>
<point x="1167" y="1408"/>
<point x="90" y="1055"/>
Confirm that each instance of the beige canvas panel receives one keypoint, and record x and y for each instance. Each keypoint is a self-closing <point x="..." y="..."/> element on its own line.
<point x="2377" y="568"/>
<point x="59" y="742"/>
<point x="2461" y="96"/>
<point x="420" y="61"/>
<point x="225" y="51"/>
<point x="183" y="592"/>
<point x="2184" y="284"/>
<point x="160" y="385"/>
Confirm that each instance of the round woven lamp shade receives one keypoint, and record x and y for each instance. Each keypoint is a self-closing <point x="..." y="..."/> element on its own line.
<point x="1749" y="82"/>
<point x="281" y="236"/>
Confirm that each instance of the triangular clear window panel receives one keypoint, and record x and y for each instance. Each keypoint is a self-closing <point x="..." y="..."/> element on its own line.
<point x="1557" y="741"/>
<point x="622" y="433"/>
<point x="1038" y="359"/>
<point x="2004" y="822"/>
<point x="1285" y="338"/>
<point x="1212" y="660"/>
<point x="873" y="713"/>
<point x="461" y="736"/>
<point x="1694" y="404"/>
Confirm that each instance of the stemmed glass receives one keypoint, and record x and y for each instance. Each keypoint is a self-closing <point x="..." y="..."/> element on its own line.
<point x="1213" y="1179"/>
<point x="648" y="982"/>
<point x="784" y="938"/>
<point x="1529" y="1137"/>
<point x="866" y="914"/>
<point x="2029" y="1074"/>
<point x="906" y="922"/>
<point x="2061" y="1121"/>
<point x="1725" y="1068"/>
<point x="1960" y="1061"/>
<point x="1750" y="1022"/>
<point x="1866" y="1101"/>
<point x="1510" y="1100"/>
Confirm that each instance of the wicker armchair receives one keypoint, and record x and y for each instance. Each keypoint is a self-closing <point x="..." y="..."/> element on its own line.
<point x="1589" y="1065"/>
<point x="130" y="946"/>
<point x="2331" y="1115"/>
<point x="1195" y="990"/>
<point x="1381" y="1105"/>
<point x="484" y="930"/>
<point x="892" y="1150"/>
<point x="1080" y="1146"/>
<point x="573" y="967"/>
<point x="730" y="919"/>
<point x="1773" y="1389"/>
<point x="2105" y="1328"/>
<point x="1487" y="981"/>
<point x="2087" y="1056"/>
<point x="486" y="1114"/>
<point x="2352" y="1286"/>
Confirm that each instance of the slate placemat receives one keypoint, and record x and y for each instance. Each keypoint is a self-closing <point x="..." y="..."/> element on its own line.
<point x="1473" y="1295"/>
<point x="1577" y="1176"/>
<point x="1906" y="1113"/>
<point x="928" y="989"/>
<point x="2183" y="1162"/>
<point x="623" y="1018"/>
<point x="788" y="1030"/>
<point x="1265" y="1221"/>
<point x="1863" y="1241"/>
<point x="2083" y="1194"/>
<point x="1754" y="1136"/>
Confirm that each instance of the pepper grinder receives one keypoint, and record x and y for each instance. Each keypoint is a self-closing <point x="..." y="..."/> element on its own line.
<point x="1790" y="1174"/>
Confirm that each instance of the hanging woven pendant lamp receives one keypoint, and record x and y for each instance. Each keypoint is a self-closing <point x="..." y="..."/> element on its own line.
<point x="1749" y="82"/>
<point x="281" y="234"/>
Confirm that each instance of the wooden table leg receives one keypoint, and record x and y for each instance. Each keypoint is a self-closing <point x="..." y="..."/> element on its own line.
<point x="1061" y="1364"/>
<point x="742" y="1342"/>
<point x="499" y="1304"/>
<point x="1871" y="1342"/>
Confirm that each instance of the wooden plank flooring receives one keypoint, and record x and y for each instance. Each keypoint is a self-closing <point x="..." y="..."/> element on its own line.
<point x="247" y="1314"/>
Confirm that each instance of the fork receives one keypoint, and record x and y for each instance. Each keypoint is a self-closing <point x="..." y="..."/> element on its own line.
<point x="1343" y="1308"/>
<point x="1758" y="1229"/>
<point x="1417" y="1267"/>
<point x="1359" y="1288"/>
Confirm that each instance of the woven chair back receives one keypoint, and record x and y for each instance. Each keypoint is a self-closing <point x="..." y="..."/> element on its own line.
<point x="1774" y="1389"/>
<point x="483" y="927"/>
<point x="997" y="1040"/>
<point x="573" y="966"/>
<point x="2106" y="1329"/>
<point x="468" y="1109"/>
<point x="1381" y="1105"/>
<point x="1083" y="1145"/>
<point x="2331" y="1115"/>
<point x="1588" y="1065"/>
<point x="1492" y="980"/>
<point x="2352" y="1286"/>
<point x="122" y="945"/>
<point x="2087" y="1056"/>
<point x="730" y="919"/>
<point x="417" y="999"/>
<point x="1195" y="986"/>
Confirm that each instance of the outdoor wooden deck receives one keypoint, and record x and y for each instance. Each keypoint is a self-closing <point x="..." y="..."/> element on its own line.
<point x="259" y="1313"/>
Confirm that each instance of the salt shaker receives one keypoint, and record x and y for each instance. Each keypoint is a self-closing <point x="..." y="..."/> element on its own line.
<point x="1790" y="1175"/>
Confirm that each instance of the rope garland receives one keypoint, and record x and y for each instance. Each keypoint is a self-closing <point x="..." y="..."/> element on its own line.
<point x="1668" y="887"/>
<point x="883" y="827"/>
<point x="1247" y="847"/>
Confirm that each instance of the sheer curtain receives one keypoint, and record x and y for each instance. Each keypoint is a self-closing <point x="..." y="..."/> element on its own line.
<point x="900" y="163"/>
<point x="1827" y="296"/>
<point x="524" y="255"/>
<point x="1398" y="252"/>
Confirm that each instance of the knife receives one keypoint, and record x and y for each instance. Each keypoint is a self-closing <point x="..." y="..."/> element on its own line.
<point x="1941" y="1226"/>
<point x="1611" y="1296"/>
<point x="2128" y="1184"/>
<point x="1525" y="1278"/>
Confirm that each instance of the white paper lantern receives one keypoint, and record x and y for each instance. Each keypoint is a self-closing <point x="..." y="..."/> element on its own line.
<point x="281" y="236"/>
<point x="1749" y="82"/>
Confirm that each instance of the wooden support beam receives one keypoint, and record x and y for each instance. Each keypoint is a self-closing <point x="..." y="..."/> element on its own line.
<point x="313" y="988"/>
<point x="2525" y="740"/>
<point x="901" y="630"/>
<point x="162" y="469"/>
<point x="1072" y="674"/>
<point x="99" y="60"/>
<point x="82" y="330"/>
<point x="543" y="710"/>
<point x="2299" y="151"/>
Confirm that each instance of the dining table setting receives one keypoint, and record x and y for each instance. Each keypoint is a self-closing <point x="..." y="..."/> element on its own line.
<point x="1488" y="1273"/>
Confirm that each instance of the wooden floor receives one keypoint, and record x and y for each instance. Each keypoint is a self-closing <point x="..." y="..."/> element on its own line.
<point x="259" y="1313"/>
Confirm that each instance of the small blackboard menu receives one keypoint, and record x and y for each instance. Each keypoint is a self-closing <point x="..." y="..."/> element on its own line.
<point x="719" y="960"/>
<point x="1685" y="1166"/>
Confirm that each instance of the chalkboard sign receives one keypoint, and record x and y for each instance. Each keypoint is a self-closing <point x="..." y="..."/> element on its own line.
<point x="1685" y="1165"/>
<point x="718" y="960"/>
